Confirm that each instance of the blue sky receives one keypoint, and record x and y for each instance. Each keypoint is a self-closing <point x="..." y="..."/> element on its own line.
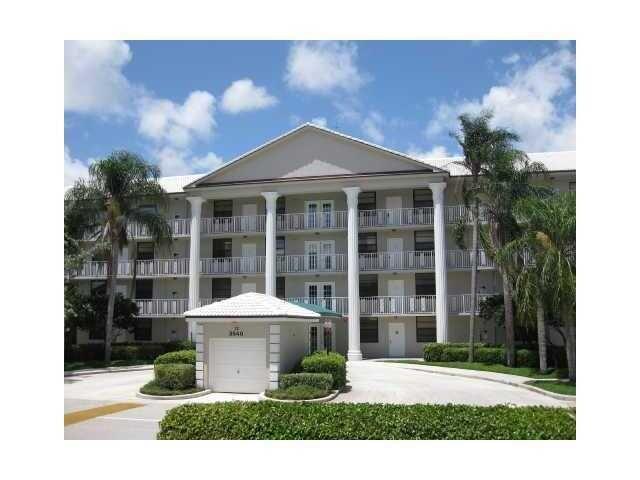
<point x="192" y="105"/>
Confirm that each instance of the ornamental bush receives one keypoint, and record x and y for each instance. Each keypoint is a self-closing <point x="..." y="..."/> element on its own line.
<point x="122" y="351"/>
<point x="362" y="421"/>
<point x="175" y="376"/>
<point x="180" y="356"/>
<point x="297" y="392"/>
<point x="527" y="358"/>
<point x="327" y="362"/>
<point x="459" y="352"/>
<point x="321" y="381"/>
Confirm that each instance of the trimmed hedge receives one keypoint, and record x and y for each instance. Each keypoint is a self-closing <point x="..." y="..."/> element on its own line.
<point x="343" y="421"/>
<point x="123" y="351"/>
<point x="175" y="376"/>
<point x="179" y="356"/>
<point x="297" y="392"/>
<point x="447" y="352"/>
<point x="321" y="381"/>
<point x="327" y="362"/>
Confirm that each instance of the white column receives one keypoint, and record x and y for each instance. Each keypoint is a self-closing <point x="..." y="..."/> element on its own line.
<point x="353" y="273"/>
<point x="270" y="244"/>
<point x="194" y="258"/>
<point x="440" y="254"/>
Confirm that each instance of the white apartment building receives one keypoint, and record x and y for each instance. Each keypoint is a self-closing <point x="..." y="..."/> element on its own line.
<point x="319" y="217"/>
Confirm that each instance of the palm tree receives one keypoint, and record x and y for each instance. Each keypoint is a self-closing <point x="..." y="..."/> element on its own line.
<point x="550" y="279"/>
<point x="106" y="203"/>
<point x="506" y="179"/>
<point x="478" y="141"/>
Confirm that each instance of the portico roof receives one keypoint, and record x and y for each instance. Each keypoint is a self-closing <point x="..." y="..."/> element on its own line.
<point x="252" y="306"/>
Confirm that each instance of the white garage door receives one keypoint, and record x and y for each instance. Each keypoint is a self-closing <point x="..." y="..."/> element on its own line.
<point x="238" y="365"/>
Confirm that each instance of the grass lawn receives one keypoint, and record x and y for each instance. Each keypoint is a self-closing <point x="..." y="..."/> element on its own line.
<point x="71" y="366"/>
<point x="564" y="388"/>
<point x="497" y="368"/>
<point x="152" y="388"/>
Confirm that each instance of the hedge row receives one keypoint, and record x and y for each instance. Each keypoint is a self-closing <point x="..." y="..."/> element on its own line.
<point x="327" y="362"/>
<point x="175" y="376"/>
<point x="123" y="351"/>
<point x="321" y="381"/>
<point x="446" y="352"/>
<point x="294" y="421"/>
<point x="180" y="356"/>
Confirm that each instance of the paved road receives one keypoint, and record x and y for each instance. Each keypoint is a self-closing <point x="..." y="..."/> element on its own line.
<point x="369" y="382"/>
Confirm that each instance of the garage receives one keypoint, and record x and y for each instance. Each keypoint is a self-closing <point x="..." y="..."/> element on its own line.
<point x="244" y="343"/>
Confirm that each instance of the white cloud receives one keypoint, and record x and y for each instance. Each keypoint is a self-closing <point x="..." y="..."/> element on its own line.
<point x="323" y="67"/>
<point x="511" y="59"/>
<point x="166" y="121"/>
<point x="175" y="161"/>
<point x="320" y="121"/>
<point x="372" y="127"/>
<point x="93" y="78"/>
<point x="439" y="151"/>
<point x="527" y="102"/>
<point x="73" y="168"/>
<point x="243" y="96"/>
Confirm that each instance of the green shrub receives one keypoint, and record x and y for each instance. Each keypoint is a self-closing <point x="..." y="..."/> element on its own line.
<point x="179" y="356"/>
<point x="297" y="392"/>
<point x="322" y="381"/>
<point x="361" y="421"/>
<point x="153" y="388"/>
<point x="454" y="354"/>
<point x="176" y="345"/>
<point x="433" y="352"/>
<point x="175" y="376"/>
<point x="120" y="351"/>
<point x="527" y="358"/>
<point x="331" y="362"/>
<point x="491" y="355"/>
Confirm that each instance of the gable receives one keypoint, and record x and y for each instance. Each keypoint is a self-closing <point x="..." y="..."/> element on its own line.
<point x="312" y="152"/>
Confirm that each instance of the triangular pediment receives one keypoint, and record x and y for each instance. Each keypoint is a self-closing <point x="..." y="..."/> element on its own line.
<point x="310" y="152"/>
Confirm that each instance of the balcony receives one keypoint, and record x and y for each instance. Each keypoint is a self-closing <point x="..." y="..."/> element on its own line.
<point x="393" y="261"/>
<point x="160" y="267"/>
<point x="461" y="304"/>
<point x="291" y="222"/>
<point x="229" y="225"/>
<point x="405" y="305"/>
<point x="461" y="260"/>
<point x="336" y="304"/>
<point x="232" y="265"/>
<point x="92" y="270"/>
<point x="321" y="263"/>
<point x="396" y="217"/>
<point x="456" y="213"/>
<point x="162" y="307"/>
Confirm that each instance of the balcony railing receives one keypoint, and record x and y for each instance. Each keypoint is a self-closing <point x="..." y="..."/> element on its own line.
<point x="461" y="304"/>
<point x="312" y="221"/>
<point x="335" y="262"/>
<point x="397" y="261"/>
<point x="231" y="265"/>
<point x="162" y="307"/>
<point x="455" y="213"/>
<point x="461" y="260"/>
<point x="163" y="267"/>
<point x="405" y="305"/>
<point x="335" y="304"/>
<point x="180" y="227"/>
<point x="100" y="270"/>
<point x="242" y="224"/>
<point x="395" y="217"/>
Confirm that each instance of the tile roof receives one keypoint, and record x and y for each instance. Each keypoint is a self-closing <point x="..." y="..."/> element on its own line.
<point x="251" y="305"/>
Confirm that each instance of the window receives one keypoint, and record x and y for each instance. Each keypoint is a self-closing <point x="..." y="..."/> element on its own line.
<point x="313" y="339"/>
<point x="98" y="287"/>
<point x="145" y="251"/>
<point x="367" y="201"/>
<point x="144" y="289"/>
<point x="368" y="285"/>
<point x="222" y="248"/>
<point x="422" y="198"/>
<point x="222" y="208"/>
<point x="423" y="241"/>
<point x="142" y="331"/>
<point x="425" y="330"/>
<point x="280" y="287"/>
<point x="425" y="284"/>
<point x="221" y="288"/>
<point x="281" y="206"/>
<point x="368" y="330"/>
<point x="148" y="208"/>
<point x="367" y="242"/>
<point x="280" y="246"/>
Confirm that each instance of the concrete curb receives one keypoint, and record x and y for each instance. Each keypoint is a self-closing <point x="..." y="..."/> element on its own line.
<point x="523" y="384"/>
<point x="133" y="368"/>
<point x="328" y="398"/>
<point x="173" y="397"/>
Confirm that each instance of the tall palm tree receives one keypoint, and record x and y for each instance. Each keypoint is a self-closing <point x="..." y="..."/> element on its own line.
<point x="506" y="179"/>
<point x="550" y="280"/>
<point x="479" y="142"/>
<point x="107" y="202"/>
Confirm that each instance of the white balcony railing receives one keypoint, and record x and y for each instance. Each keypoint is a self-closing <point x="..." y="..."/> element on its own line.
<point x="335" y="304"/>
<point x="461" y="260"/>
<point x="335" y="262"/>
<point x="455" y="213"/>
<point x="231" y="265"/>
<point x="461" y="304"/>
<point x="163" y="267"/>
<point x="162" y="307"/>
<point x="397" y="261"/>
<point x="100" y="270"/>
<point x="242" y="224"/>
<point x="312" y="221"/>
<point x="180" y="227"/>
<point x="395" y="217"/>
<point x="405" y="305"/>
